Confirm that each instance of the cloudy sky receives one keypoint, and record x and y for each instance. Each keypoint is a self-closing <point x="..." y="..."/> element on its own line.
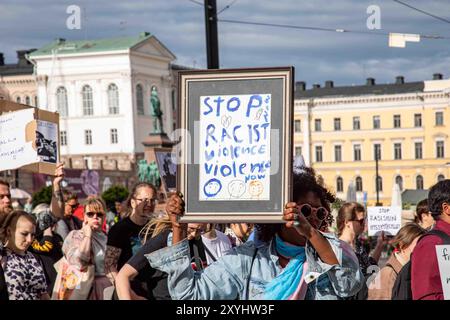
<point x="346" y="58"/>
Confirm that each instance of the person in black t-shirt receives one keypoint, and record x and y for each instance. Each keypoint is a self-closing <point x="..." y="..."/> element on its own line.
<point x="123" y="238"/>
<point x="138" y="266"/>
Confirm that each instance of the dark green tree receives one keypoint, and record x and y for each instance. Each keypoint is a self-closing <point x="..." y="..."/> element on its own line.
<point x="42" y="196"/>
<point x="113" y="194"/>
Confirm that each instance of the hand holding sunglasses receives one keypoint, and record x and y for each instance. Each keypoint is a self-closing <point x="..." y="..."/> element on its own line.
<point x="297" y="216"/>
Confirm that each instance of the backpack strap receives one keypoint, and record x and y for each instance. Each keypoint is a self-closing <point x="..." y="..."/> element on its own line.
<point x="209" y="253"/>
<point x="392" y="267"/>
<point x="247" y="286"/>
<point x="198" y="247"/>
<point x="441" y="234"/>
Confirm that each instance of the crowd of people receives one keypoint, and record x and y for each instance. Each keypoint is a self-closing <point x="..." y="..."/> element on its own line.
<point x="67" y="251"/>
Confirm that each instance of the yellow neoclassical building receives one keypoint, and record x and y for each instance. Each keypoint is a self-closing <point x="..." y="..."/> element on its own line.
<point x="338" y="130"/>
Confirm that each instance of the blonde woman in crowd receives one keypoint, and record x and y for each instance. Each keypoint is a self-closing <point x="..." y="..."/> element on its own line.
<point x="404" y="242"/>
<point x="88" y="246"/>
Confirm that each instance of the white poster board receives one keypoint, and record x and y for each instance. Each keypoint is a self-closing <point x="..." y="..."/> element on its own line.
<point x="387" y="219"/>
<point x="47" y="141"/>
<point x="443" y="257"/>
<point x="15" y="150"/>
<point x="235" y="147"/>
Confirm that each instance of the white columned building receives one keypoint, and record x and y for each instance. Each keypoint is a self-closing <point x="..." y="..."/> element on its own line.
<point x="101" y="88"/>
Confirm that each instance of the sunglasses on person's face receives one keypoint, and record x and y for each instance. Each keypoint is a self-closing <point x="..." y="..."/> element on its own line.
<point x="73" y="206"/>
<point x="152" y="201"/>
<point x="92" y="214"/>
<point x="6" y="195"/>
<point x="307" y="210"/>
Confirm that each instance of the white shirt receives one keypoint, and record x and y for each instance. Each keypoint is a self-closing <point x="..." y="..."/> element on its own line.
<point x="217" y="246"/>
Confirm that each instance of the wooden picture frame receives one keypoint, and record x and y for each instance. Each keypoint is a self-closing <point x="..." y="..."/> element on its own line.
<point x="235" y="158"/>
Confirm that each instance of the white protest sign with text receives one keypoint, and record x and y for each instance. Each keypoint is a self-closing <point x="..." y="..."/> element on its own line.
<point x="387" y="219"/>
<point x="15" y="151"/>
<point x="443" y="257"/>
<point x="235" y="147"/>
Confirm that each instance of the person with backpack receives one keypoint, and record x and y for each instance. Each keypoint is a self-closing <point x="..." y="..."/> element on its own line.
<point x="425" y="276"/>
<point x="157" y="234"/>
<point x="423" y="215"/>
<point x="380" y="288"/>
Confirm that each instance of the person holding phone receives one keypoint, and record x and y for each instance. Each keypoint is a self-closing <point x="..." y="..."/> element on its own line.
<point x="87" y="246"/>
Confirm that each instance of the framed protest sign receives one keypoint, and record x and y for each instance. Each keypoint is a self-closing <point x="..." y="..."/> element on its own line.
<point x="167" y="166"/>
<point x="236" y="151"/>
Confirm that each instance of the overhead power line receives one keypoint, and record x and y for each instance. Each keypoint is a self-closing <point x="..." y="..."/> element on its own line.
<point x="422" y="11"/>
<point x="379" y="33"/>
<point x="196" y="2"/>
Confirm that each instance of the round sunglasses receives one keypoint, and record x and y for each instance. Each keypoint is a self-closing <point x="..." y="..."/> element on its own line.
<point x="92" y="214"/>
<point x="307" y="210"/>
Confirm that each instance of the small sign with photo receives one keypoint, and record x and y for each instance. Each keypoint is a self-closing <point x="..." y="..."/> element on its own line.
<point x="47" y="141"/>
<point x="167" y="169"/>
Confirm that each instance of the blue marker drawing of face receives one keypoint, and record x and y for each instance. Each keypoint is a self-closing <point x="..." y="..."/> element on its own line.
<point x="236" y="188"/>
<point x="212" y="187"/>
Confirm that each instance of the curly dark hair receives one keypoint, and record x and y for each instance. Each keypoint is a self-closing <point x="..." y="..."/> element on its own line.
<point x="303" y="182"/>
<point x="438" y="194"/>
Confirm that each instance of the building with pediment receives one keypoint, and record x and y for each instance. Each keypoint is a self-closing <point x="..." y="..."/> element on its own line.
<point x="101" y="89"/>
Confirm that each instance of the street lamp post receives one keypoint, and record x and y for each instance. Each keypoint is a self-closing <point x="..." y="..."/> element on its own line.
<point x="377" y="176"/>
<point x="212" y="41"/>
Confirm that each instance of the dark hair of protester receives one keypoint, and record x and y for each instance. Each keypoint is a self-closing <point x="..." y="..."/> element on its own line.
<point x="438" y="194"/>
<point x="67" y="195"/>
<point x="422" y="207"/>
<point x="11" y="221"/>
<point x="348" y="212"/>
<point x="133" y="193"/>
<point x="303" y="182"/>
<point x="406" y="235"/>
<point x="5" y="183"/>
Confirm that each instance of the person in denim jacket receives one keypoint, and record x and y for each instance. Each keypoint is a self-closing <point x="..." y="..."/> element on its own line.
<point x="295" y="262"/>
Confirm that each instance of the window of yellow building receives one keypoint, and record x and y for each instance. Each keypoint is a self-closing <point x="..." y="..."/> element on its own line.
<point x="417" y="120"/>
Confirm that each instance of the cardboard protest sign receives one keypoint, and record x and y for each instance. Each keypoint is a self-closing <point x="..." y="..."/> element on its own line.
<point x="28" y="138"/>
<point x="443" y="257"/>
<point x="235" y="160"/>
<point x="235" y="137"/>
<point x="387" y="219"/>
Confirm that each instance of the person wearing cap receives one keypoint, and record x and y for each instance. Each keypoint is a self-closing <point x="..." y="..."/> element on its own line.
<point x="47" y="244"/>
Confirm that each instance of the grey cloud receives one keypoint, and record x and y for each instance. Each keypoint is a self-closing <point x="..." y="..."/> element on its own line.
<point x="317" y="56"/>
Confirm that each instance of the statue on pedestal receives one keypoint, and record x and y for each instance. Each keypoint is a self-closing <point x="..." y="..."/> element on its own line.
<point x="142" y="170"/>
<point x="149" y="173"/>
<point x="156" y="112"/>
<point x="153" y="174"/>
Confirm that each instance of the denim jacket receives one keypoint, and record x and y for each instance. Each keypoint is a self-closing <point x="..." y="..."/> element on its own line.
<point x="227" y="278"/>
